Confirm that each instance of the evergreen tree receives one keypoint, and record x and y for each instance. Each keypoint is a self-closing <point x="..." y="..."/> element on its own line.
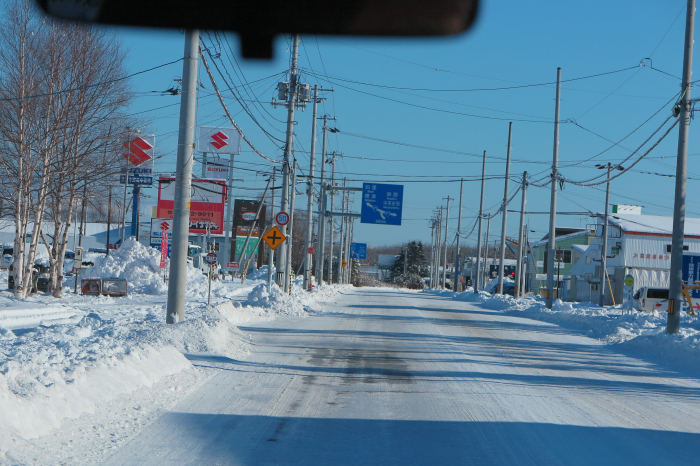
<point x="415" y="266"/>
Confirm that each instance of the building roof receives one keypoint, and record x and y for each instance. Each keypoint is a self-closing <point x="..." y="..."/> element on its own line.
<point x="651" y="224"/>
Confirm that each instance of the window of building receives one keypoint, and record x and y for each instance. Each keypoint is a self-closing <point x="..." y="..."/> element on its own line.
<point x="685" y="248"/>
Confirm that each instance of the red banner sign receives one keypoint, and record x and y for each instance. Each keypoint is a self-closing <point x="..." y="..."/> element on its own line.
<point x="206" y="204"/>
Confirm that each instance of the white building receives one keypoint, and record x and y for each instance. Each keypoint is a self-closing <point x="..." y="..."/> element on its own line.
<point x="639" y="245"/>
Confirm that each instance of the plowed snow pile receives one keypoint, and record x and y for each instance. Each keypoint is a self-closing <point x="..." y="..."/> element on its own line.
<point x="139" y="264"/>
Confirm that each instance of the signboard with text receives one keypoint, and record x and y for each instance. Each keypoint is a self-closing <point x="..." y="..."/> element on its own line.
<point x="137" y="156"/>
<point x="691" y="272"/>
<point x="381" y="203"/>
<point x="206" y="204"/>
<point x="358" y="251"/>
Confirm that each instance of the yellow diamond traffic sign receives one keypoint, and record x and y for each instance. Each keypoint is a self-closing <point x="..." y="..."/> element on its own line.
<point x="344" y="263"/>
<point x="274" y="237"/>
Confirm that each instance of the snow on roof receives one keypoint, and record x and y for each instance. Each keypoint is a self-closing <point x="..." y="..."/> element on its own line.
<point x="651" y="224"/>
<point x="580" y="247"/>
<point x="559" y="238"/>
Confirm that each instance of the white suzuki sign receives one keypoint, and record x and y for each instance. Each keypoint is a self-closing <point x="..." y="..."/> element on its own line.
<point x="215" y="140"/>
<point x="216" y="167"/>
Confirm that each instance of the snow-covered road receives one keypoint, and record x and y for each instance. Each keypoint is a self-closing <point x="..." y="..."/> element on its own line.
<point x="396" y="377"/>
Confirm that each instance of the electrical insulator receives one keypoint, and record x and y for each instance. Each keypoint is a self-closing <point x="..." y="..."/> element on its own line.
<point x="283" y="91"/>
<point x="304" y="92"/>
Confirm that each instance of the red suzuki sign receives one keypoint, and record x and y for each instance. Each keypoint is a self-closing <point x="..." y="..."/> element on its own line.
<point x="136" y="151"/>
<point x="206" y="204"/>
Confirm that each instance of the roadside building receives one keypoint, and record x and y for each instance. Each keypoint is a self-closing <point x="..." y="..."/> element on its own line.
<point x="570" y="245"/>
<point x="639" y="245"/>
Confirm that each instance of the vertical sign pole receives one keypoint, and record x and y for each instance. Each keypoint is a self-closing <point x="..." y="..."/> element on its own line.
<point x="444" y="261"/>
<point x="229" y="212"/>
<point x="552" y="243"/>
<point x="675" y="278"/>
<point x="109" y="215"/>
<point x="177" y="285"/>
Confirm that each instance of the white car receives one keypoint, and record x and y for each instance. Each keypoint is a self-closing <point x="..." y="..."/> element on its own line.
<point x="646" y="298"/>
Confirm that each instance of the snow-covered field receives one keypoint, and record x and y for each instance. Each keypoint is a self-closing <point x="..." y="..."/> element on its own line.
<point x="643" y="333"/>
<point x="79" y="369"/>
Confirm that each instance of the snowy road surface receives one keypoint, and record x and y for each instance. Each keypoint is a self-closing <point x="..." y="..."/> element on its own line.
<point x="393" y="377"/>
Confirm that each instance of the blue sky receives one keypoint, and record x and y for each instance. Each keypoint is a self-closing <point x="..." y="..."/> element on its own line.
<point x="511" y="45"/>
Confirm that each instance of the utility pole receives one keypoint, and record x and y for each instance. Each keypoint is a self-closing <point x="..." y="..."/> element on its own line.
<point x="177" y="285"/>
<point x="340" y="238"/>
<point x="604" y="251"/>
<point x="486" y="253"/>
<point x="481" y="215"/>
<point x="458" y="263"/>
<point x="444" y="261"/>
<point x="321" y="238"/>
<point x="505" y="212"/>
<point x="552" y="243"/>
<point x="308" y="258"/>
<point x="271" y="258"/>
<point x="519" y="265"/>
<point x="673" y="320"/>
<point x="331" y="220"/>
<point x="282" y="269"/>
<point x="290" y="237"/>
<point x="439" y="248"/>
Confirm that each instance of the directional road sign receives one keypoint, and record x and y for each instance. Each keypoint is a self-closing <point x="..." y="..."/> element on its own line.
<point x="211" y="258"/>
<point x="344" y="263"/>
<point x="282" y="218"/>
<point x="358" y="250"/>
<point x="381" y="203"/>
<point x="274" y="237"/>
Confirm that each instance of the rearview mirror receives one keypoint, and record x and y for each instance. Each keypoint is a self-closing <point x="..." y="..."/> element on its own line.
<point x="259" y="21"/>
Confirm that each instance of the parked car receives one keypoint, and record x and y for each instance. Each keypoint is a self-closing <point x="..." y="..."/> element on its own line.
<point x="646" y="298"/>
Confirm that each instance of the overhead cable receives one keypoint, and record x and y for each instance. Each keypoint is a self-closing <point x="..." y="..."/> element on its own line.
<point x="228" y="114"/>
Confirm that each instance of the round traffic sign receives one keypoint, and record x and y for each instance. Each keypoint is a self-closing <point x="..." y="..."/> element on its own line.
<point x="282" y="218"/>
<point x="311" y="250"/>
<point x="629" y="280"/>
<point x="211" y="258"/>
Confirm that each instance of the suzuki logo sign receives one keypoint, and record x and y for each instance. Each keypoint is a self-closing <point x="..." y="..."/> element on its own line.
<point x="219" y="140"/>
<point x="136" y="154"/>
<point x="216" y="140"/>
<point x="249" y="216"/>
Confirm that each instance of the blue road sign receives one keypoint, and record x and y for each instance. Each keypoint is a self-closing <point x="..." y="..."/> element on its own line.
<point x="358" y="250"/>
<point x="381" y="203"/>
<point x="136" y="180"/>
<point x="691" y="272"/>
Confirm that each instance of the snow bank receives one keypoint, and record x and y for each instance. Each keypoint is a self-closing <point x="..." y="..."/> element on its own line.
<point x="275" y="301"/>
<point x="641" y="332"/>
<point x="138" y="264"/>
